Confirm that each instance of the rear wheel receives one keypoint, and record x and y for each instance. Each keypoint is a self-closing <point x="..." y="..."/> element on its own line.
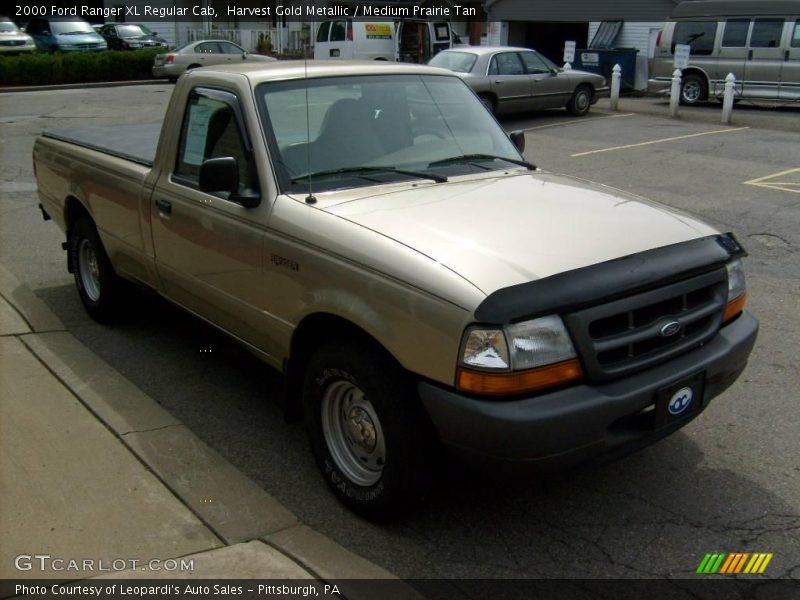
<point x="367" y="429"/>
<point x="581" y="101"/>
<point x="99" y="287"/>
<point x="694" y="89"/>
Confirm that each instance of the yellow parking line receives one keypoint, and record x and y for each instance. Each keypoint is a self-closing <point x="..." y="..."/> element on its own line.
<point x="578" y="121"/>
<point x="768" y="181"/>
<point x="661" y="141"/>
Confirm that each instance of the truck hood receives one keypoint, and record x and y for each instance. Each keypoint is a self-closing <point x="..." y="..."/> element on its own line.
<point x="501" y="231"/>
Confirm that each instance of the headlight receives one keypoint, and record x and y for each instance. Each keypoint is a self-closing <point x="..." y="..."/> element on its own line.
<point x="539" y="342"/>
<point x="737" y="290"/>
<point x="523" y="357"/>
<point x="485" y="349"/>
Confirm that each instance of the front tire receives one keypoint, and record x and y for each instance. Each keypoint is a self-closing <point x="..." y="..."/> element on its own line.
<point x="581" y="101"/>
<point x="99" y="287"/>
<point x="367" y="430"/>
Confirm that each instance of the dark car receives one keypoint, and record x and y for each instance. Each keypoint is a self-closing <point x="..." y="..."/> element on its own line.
<point x="131" y="36"/>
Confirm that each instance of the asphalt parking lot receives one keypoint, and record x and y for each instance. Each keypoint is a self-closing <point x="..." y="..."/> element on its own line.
<point x="729" y="481"/>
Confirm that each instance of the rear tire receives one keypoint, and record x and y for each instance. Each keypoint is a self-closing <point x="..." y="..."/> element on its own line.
<point x="368" y="431"/>
<point x="694" y="89"/>
<point x="581" y="101"/>
<point x="100" y="289"/>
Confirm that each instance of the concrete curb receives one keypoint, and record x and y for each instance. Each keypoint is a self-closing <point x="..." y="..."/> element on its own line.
<point x="73" y="86"/>
<point x="233" y="507"/>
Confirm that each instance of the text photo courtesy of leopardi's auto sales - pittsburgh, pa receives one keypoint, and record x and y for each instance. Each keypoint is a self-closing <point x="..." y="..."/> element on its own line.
<point x="379" y="298"/>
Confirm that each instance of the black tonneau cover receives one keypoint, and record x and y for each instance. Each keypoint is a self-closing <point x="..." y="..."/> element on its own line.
<point x="134" y="142"/>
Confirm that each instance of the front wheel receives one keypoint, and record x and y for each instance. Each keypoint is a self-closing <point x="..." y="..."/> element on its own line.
<point x="581" y="101"/>
<point x="99" y="287"/>
<point x="367" y="430"/>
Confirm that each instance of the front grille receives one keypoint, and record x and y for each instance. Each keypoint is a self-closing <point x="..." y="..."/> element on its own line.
<point x="628" y="335"/>
<point x="12" y="42"/>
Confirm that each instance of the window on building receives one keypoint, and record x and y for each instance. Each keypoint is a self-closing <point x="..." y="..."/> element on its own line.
<point x="700" y="35"/>
<point x="766" y="33"/>
<point x="735" y="35"/>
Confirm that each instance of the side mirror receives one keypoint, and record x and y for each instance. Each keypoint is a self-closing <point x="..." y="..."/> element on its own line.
<point x="518" y="138"/>
<point x="244" y="55"/>
<point x="222" y="175"/>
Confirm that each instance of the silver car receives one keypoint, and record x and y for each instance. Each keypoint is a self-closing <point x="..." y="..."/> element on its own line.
<point x="509" y="79"/>
<point x="202" y="54"/>
<point x="12" y="40"/>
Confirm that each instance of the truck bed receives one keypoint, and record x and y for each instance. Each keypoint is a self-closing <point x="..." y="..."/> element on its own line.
<point x="133" y="142"/>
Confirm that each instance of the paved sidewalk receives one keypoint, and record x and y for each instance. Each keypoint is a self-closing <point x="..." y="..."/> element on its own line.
<point x="93" y="469"/>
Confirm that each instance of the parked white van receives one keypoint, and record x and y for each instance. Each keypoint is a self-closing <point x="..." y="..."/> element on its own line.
<point x="359" y="40"/>
<point x="756" y="40"/>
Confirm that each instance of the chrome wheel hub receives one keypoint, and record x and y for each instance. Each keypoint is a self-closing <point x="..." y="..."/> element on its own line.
<point x="89" y="270"/>
<point x="353" y="432"/>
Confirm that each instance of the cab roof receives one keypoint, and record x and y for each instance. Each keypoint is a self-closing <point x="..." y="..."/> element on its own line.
<point x="259" y="72"/>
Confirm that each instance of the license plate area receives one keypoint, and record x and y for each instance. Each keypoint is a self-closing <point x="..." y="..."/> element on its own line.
<point x="679" y="400"/>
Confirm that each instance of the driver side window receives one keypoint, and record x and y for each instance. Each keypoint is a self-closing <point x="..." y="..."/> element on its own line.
<point x="211" y="130"/>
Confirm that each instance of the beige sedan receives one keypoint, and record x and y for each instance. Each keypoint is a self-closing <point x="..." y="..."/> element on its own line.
<point x="202" y="54"/>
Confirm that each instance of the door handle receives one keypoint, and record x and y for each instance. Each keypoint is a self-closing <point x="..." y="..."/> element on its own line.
<point x="750" y="55"/>
<point x="164" y="206"/>
<point x="499" y="80"/>
<point x="786" y="55"/>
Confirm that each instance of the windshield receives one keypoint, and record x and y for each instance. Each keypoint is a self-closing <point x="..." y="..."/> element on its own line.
<point x="133" y="31"/>
<point x="8" y="27"/>
<point x="64" y="27"/>
<point x="409" y="125"/>
<point x="460" y="62"/>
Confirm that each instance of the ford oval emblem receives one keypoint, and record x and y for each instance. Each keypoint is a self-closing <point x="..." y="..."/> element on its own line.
<point x="670" y="329"/>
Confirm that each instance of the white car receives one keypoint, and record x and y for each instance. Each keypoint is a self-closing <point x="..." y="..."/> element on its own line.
<point x="14" y="41"/>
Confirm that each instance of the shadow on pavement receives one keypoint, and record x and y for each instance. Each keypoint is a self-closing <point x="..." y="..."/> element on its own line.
<point x="653" y="514"/>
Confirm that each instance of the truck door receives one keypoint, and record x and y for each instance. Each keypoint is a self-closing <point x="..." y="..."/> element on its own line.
<point x="208" y="249"/>
<point x="765" y="59"/>
<point x="340" y="42"/>
<point x="790" y="71"/>
<point x="441" y="38"/>
<point x="732" y="54"/>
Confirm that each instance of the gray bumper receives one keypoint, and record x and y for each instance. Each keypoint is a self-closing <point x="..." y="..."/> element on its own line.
<point x="659" y="87"/>
<point x="567" y="426"/>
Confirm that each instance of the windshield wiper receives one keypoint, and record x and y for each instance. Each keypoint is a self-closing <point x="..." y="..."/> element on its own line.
<point x="470" y="157"/>
<point x="370" y="169"/>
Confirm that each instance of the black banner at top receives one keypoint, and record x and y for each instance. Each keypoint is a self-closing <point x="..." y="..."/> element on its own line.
<point x="242" y="11"/>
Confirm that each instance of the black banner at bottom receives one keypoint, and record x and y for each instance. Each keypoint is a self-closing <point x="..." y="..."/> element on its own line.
<point x="712" y="588"/>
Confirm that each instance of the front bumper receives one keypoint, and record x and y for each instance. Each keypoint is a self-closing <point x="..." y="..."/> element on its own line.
<point x="603" y="92"/>
<point x="561" y="428"/>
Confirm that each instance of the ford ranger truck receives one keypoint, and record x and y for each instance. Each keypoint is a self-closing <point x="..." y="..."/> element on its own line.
<point x="369" y="230"/>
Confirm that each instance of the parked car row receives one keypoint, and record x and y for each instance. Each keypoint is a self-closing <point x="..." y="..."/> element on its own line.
<point x="74" y="35"/>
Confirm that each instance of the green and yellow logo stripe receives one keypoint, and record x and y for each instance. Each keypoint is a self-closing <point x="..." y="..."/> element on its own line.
<point x="734" y="563"/>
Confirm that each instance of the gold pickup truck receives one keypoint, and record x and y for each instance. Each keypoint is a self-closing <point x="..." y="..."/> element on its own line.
<point x="370" y="230"/>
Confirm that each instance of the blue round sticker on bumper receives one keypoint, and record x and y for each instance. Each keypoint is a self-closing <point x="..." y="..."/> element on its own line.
<point x="680" y="401"/>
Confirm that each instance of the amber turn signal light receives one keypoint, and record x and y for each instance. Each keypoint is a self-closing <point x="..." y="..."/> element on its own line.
<point x="734" y="307"/>
<point x="508" y="384"/>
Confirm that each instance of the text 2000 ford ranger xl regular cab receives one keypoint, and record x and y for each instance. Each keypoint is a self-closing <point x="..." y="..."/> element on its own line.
<point x="371" y="231"/>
